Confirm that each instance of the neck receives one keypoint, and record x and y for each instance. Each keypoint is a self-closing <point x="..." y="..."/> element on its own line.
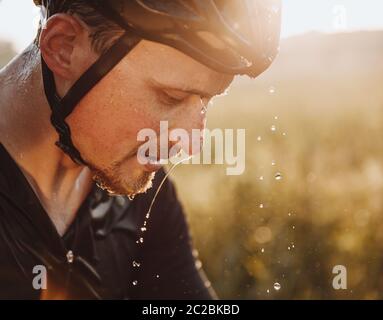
<point x="27" y="134"/>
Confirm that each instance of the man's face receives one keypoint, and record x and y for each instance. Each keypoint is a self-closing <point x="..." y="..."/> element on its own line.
<point x="152" y="83"/>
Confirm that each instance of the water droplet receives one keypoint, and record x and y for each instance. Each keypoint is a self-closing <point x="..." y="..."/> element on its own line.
<point x="136" y="264"/>
<point x="135" y="282"/>
<point x="272" y="90"/>
<point x="261" y="178"/>
<point x="277" y="286"/>
<point x="141" y="240"/>
<point x="268" y="291"/>
<point x="157" y="276"/>
<point x="143" y="229"/>
<point x="276" y="118"/>
<point x="259" y="138"/>
<point x="273" y="128"/>
<point x="278" y="176"/>
<point x="284" y="133"/>
<point x="70" y="256"/>
<point x="263" y="250"/>
<point x="261" y="206"/>
<point x="288" y="248"/>
<point x="273" y="163"/>
<point x="247" y="62"/>
<point x="204" y="109"/>
<point x="293" y="227"/>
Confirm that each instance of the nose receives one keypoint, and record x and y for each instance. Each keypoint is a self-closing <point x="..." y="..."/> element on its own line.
<point x="193" y="121"/>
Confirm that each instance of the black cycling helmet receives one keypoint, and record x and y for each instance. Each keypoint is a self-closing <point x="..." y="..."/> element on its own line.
<point x="229" y="36"/>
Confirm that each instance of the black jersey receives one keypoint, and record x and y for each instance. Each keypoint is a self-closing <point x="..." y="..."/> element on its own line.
<point x="105" y="253"/>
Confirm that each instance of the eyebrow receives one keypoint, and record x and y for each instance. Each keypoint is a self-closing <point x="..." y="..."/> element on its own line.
<point x="193" y="91"/>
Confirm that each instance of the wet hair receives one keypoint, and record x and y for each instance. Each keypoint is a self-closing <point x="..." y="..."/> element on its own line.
<point x="103" y="32"/>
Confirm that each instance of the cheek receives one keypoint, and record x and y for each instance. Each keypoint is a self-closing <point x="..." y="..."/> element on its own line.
<point x="105" y="127"/>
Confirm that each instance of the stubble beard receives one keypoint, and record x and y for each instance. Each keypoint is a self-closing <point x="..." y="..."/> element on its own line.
<point x="115" y="182"/>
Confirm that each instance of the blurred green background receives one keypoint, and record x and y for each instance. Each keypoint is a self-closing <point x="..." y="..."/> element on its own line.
<point x="324" y="97"/>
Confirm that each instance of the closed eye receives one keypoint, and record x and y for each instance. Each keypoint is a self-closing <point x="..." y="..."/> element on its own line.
<point x="173" y="99"/>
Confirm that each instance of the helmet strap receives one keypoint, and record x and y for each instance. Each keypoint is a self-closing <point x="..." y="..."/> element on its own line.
<point x="61" y="108"/>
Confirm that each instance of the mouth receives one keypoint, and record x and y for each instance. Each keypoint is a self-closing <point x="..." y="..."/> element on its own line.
<point x="153" y="165"/>
<point x="150" y="164"/>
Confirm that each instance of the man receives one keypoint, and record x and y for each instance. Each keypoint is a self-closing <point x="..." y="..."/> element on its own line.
<point x="72" y="105"/>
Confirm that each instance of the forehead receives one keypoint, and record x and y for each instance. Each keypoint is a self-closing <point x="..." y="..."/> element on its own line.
<point x="172" y="68"/>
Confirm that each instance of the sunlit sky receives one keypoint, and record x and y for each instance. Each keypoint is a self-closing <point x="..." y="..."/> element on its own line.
<point x="18" y="18"/>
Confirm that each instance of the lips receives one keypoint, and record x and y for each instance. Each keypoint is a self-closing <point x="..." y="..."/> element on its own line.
<point x="152" y="165"/>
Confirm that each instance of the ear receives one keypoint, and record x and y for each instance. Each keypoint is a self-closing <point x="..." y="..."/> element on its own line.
<point x="58" y="41"/>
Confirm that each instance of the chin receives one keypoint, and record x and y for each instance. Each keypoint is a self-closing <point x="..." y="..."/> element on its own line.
<point x="123" y="186"/>
<point x="122" y="180"/>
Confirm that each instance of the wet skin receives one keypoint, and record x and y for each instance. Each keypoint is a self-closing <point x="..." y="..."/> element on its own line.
<point x="152" y="83"/>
